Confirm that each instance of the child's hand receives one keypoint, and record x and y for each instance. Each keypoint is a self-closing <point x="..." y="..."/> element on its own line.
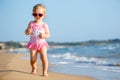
<point x="42" y="35"/>
<point x="28" y="31"/>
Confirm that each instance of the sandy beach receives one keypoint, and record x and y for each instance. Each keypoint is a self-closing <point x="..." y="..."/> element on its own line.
<point x="14" y="67"/>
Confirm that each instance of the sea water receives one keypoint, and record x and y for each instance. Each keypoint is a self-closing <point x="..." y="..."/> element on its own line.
<point x="98" y="61"/>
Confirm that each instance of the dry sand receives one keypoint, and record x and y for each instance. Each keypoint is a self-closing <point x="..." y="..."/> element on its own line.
<point x="14" y="67"/>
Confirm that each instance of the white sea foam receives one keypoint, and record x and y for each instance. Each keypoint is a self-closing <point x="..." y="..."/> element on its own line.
<point x="82" y="66"/>
<point x="63" y="62"/>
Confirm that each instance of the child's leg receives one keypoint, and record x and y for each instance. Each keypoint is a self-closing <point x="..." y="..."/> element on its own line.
<point x="43" y="56"/>
<point x="33" y="60"/>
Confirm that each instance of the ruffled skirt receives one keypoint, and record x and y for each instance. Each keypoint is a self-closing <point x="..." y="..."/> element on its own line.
<point x="36" y="46"/>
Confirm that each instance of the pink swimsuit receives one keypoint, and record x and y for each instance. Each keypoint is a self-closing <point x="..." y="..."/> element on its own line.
<point x="36" y="42"/>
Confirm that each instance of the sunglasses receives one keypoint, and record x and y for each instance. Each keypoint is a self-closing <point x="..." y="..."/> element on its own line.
<point x="35" y="14"/>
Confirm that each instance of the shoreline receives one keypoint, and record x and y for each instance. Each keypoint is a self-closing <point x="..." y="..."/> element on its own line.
<point x="14" y="67"/>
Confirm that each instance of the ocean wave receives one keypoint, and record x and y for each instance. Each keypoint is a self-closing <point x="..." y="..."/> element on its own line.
<point x="110" y="47"/>
<point x="17" y="50"/>
<point x="79" y="59"/>
<point x="85" y="59"/>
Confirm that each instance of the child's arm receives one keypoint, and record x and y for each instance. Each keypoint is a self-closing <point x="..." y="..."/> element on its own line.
<point x="28" y="31"/>
<point x="46" y="34"/>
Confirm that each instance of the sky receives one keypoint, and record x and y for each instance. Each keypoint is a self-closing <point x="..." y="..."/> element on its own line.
<point x="68" y="20"/>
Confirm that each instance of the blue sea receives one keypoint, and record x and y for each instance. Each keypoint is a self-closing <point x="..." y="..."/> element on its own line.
<point x="98" y="61"/>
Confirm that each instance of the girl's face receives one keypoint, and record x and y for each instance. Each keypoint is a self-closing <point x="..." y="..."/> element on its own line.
<point x="39" y="14"/>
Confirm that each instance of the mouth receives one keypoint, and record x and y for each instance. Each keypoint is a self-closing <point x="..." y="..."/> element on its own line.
<point x="37" y="18"/>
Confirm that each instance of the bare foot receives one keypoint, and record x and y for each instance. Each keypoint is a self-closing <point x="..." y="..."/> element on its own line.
<point x="33" y="71"/>
<point x="45" y="75"/>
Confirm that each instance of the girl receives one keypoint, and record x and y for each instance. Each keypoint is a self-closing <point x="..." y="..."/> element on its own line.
<point x="38" y="31"/>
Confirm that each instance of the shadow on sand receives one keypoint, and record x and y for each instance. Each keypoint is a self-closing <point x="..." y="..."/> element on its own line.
<point x="14" y="71"/>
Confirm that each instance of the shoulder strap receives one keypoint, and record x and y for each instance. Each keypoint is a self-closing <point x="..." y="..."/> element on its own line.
<point x="31" y="24"/>
<point x="44" y="25"/>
